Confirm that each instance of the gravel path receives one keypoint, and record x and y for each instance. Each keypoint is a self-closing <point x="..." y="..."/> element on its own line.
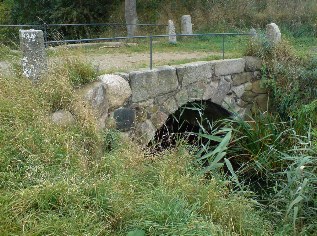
<point x="140" y="60"/>
<point x="125" y="62"/>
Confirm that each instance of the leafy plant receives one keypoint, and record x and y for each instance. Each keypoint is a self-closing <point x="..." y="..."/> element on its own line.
<point x="214" y="154"/>
<point x="280" y="167"/>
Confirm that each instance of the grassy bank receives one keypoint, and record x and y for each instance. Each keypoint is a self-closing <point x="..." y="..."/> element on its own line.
<point x="78" y="180"/>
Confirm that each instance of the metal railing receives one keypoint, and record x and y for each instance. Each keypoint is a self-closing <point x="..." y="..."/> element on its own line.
<point x="48" y="42"/>
<point x="151" y="37"/>
<point x="48" y="36"/>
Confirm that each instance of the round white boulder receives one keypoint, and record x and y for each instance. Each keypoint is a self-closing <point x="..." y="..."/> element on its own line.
<point x="117" y="88"/>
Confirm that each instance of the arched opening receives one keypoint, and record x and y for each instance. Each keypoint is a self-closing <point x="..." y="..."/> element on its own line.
<point x="186" y="122"/>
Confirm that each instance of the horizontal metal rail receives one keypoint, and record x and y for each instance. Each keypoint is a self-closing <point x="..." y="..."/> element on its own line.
<point x="146" y="37"/>
<point x="83" y="24"/>
<point x="21" y="26"/>
<point x="151" y="37"/>
<point x="104" y="24"/>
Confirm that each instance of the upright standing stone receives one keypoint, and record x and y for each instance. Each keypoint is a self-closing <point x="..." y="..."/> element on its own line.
<point x="33" y="51"/>
<point x="131" y="17"/>
<point x="254" y="35"/>
<point x="187" y="27"/>
<point x="273" y="33"/>
<point x="171" y="32"/>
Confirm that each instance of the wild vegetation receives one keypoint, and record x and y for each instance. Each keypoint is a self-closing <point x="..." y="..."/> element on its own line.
<point x="249" y="177"/>
<point x="297" y="17"/>
<point x="71" y="180"/>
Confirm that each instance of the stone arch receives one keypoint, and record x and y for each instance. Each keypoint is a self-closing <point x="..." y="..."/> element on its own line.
<point x="187" y="121"/>
<point x="233" y="84"/>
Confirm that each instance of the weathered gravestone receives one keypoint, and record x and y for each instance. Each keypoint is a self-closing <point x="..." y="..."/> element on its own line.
<point x="33" y="51"/>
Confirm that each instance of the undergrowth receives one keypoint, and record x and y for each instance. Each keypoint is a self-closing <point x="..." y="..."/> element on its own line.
<point x="275" y="152"/>
<point x="79" y="180"/>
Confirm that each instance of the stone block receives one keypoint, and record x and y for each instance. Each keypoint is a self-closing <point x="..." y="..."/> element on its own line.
<point x="239" y="90"/>
<point x="181" y="97"/>
<point x="152" y="83"/>
<point x="95" y="95"/>
<point x="241" y="78"/>
<point x="158" y="119"/>
<point x="211" y="90"/>
<point x="197" y="90"/>
<point x="258" y="87"/>
<point x="187" y="27"/>
<point x="145" y="132"/>
<point x="224" y="87"/>
<point x="248" y="96"/>
<point x="241" y="103"/>
<point x="248" y="86"/>
<point x="193" y="72"/>
<point x="229" y="66"/>
<point x="222" y="90"/>
<point x="253" y="64"/>
<point x="33" y="53"/>
<point x="170" y="105"/>
<point x="229" y="104"/>
<point x="125" y="119"/>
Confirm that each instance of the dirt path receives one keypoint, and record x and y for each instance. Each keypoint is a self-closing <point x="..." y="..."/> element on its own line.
<point x="125" y="62"/>
<point x="119" y="62"/>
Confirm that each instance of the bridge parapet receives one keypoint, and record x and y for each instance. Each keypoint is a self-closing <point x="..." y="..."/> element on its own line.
<point x="234" y="84"/>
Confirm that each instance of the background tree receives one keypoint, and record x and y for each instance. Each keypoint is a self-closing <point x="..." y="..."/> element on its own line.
<point x="131" y="17"/>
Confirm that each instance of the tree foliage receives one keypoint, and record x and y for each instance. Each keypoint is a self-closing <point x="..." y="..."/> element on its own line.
<point x="59" y="11"/>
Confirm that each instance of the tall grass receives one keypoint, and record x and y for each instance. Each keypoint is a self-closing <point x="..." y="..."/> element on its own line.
<point x="65" y="180"/>
<point x="299" y="17"/>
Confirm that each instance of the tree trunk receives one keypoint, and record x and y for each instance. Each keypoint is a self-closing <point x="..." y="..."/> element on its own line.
<point x="131" y="17"/>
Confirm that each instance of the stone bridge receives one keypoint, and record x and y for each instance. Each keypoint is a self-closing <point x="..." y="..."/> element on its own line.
<point x="141" y="101"/>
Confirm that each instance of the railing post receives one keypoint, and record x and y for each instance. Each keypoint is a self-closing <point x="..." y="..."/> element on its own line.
<point x="45" y="35"/>
<point x="223" y="47"/>
<point x="151" y="52"/>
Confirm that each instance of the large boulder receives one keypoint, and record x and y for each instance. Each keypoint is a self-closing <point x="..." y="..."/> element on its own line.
<point x="117" y="89"/>
<point x="95" y="95"/>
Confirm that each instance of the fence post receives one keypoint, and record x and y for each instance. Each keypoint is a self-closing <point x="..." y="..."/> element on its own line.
<point x="151" y="52"/>
<point x="33" y="53"/>
<point x="223" y="47"/>
<point x="45" y="35"/>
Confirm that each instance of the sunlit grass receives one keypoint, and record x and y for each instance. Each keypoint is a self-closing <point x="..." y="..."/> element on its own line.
<point x="80" y="180"/>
